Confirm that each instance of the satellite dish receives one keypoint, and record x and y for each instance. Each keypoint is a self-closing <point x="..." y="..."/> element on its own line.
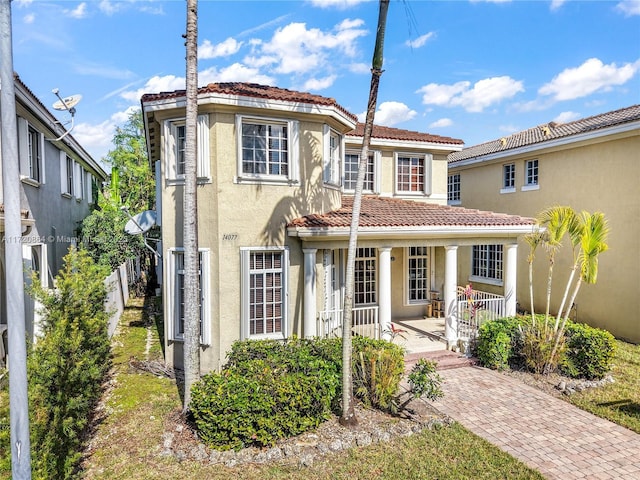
<point x="141" y="223"/>
<point x="67" y="103"/>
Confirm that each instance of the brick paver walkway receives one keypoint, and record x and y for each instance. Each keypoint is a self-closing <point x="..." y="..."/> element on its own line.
<point x="548" y="434"/>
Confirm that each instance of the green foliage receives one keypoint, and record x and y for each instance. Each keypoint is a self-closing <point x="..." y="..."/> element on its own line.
<point x="378" y="369"/>
<point x="67" y="365"/>
<point x="590" y="351"/>
<point x="425" y="381"/>
<point x="495" y="339"/>
<point x="537" y="341"/>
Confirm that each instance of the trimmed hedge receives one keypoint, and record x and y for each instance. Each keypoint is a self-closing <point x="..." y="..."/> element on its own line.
<point x="495" y="343"/>
<point x="590" y="351"/>
<point x="272" y="389"/>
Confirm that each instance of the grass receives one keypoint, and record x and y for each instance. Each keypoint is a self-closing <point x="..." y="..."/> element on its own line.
<point x="129" y="439"/>
<point x="618" y="402"/>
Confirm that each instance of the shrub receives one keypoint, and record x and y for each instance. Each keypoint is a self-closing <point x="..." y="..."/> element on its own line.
<point x="67" y="365"/>
<point x="425" y="381"/>
<point x="378" y="367"/>
<point x="589" y="352"/>
<point x="494" y="344"/>
<point x="537" y="340"/>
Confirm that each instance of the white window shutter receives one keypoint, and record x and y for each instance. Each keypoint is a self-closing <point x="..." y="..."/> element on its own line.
<point x="204" y="169"/>
<point x="170" y="150"/>
<point x="205" y="307"/>
<point x="377" y="170"/>
<point x="158" y="194"/>
<point x="63" y="172"/>
<point x="428" y="174"/>
<point x="326" y="153"/>
<point x="244" y="293"/>
<point x="285" y="293"/>
<point x="23" y="146"/>
<point x="294" y="150"/>
<point x="42" y="155"/>
<point x="170" y="313"/>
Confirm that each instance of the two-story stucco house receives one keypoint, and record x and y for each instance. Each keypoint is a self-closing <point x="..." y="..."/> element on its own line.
<point x="276" y="175"/>
<point x="59" y="181"/>
<point x="591" y="164"/>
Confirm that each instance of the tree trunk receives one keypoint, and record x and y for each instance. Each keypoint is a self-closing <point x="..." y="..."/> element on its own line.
<point x="190" y="215"/>
<point x="348" y="415"/>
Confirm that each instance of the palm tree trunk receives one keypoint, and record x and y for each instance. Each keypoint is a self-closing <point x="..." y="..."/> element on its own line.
<point x="560" y="332"/>
<point x="348" y="414"/>
<point x="566" y="294"/>
<point x="190" y="215"/>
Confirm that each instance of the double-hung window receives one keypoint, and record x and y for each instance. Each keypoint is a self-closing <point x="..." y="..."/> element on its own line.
<point x="508" y="178"/>
<point x="453" y="189"/>
<point x="267" y="150"/>
<point x="67" y="174"/>
<point x="264" y="292"/>
<point x="30" y="152"/>
<point x="176" y="294"/>
<point x="531" y="175"/>
<point x="365" y="285"/>
<point x="332" y="156"/>
<point x="413" y="174"/>
<point x="417" y="274"/>
<point x="351" y="165"/>
<point x="175" y="133"/>
<point x="487" y="263"/>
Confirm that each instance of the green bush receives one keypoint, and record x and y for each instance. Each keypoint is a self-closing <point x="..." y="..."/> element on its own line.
<point x="67" y="365"/>
<point x="537" y="342"/>
<point x="378" y="367"/>
<point x="495" y="342"/>
<point x="425" y="381"/>
<point x="590" y="351"/>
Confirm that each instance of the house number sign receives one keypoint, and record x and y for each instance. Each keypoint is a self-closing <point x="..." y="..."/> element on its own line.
<point x="229" y="236"/>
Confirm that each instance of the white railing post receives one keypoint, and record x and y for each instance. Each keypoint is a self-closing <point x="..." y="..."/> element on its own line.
<point x="309" y="324"/>
<point x="385" y="292"/>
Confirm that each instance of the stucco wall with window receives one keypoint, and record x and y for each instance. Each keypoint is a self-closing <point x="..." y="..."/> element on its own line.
<point x="600" y="175"/>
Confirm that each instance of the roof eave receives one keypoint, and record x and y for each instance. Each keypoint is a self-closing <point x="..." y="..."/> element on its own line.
<point x="439" y="231"/>
<point x="392" y="143"/>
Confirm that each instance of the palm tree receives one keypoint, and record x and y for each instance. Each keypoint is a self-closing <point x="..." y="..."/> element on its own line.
<point x="348" y="414"/>
<point x="595" y="231"/>
<point x="534" y="239"/>
<point x="191" y="347"/>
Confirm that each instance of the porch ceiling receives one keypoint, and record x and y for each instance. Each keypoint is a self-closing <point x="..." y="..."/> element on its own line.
<point x="382" y="217"/>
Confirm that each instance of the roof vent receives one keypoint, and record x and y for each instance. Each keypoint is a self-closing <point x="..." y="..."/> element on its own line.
<point x="503" y="141"/>
<point x="546" y="131"/>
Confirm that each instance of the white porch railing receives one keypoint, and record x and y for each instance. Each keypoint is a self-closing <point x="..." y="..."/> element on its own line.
<point x="365" y="322"/>
<point x="475" y="308"/>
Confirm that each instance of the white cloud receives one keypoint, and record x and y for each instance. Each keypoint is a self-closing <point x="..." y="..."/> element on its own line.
<point x="98" y="139"/>
<point x="315" y="84"/>
<point x="23" y="3"/>
<point x="565" y="117"/>
<point x="420" y="41"/>
<point x="29" y="18"/>
<point x="556" y="4"/>
<point x="588" y="78"/>
<point x="155" y="84"/>
<point x="108" y="7"/>
<point x="483" y="94"/>
<point x="95" y="69"/>
<point x="234" y="73"/>
<point x="224" y="49"/>
<point x="79" y="12"/>
<point x="339" y="4"/>
<point x="443" y="122"/>
<point x="509" y="129"/>
<point x="359" y="68"/>
<point x="629" y="7"/>
<point x="390" y="113"/>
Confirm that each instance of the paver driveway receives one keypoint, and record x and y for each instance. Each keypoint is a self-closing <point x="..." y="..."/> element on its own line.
<point x="548" y="434"/>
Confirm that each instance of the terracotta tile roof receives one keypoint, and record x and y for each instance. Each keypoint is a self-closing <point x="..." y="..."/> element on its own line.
<point x="391" y="212"/>
<point x="255" y="91"/>
<point x="548" y="132"/>
<point x="399" y="134"/>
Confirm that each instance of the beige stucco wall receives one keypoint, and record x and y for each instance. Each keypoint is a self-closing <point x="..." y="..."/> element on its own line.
<point x="592" y="176"/>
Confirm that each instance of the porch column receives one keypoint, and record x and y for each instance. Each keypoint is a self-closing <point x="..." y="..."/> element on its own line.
<point x="309" y="324"/>
<point x="450" y="294"/>
<point x="510" y="275"/>
<point x="384" y="303"/>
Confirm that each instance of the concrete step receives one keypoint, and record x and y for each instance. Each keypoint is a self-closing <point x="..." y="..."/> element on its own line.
<point x="445" y="359"/>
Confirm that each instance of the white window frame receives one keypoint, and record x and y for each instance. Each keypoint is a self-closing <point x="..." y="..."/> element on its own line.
<point x="508" y="178"/>
<point x="67" y="168"/>
<point x="531" y="175"/>
<point x="172" y="315"/>
<point x="485" y="259"/>
<point x="425" y="257"/>
<point x="293" y="151"/>
<point x="26" y="146"/>
<point x="366" y="262"/>
<point x="202" y="149"/>
<point x="374" y="160"/>
<point x="333" y="148"/>
<point x="453" y="189"/>
<point x="78" y="181"/>
<point x="245" y="261"/>
<point x="427" y="161"/>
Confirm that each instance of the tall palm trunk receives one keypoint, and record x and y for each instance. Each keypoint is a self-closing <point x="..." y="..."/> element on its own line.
<point x="348" y="415"/>
<point x="190" y="215"/>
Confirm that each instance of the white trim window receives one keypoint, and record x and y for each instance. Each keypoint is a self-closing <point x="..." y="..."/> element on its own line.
<point x="413" y="174"/>
<point x="508" y="178"/>
<point x="531" y="175"/>
<point x="417" y="267"/>
<point x="332" y="156"/>
<point x="351" y="165"/>
<point x="365" y="280"/>
<point x="67" y="170"/>
<point x="267" y="149"/>
<point x="78" y="181"/>
<point x="264" y="292"/>
<point x="487" y="263"/>
<point x="453" y="189"/>
<point x="30" y="152"/>
<point x="175" y="141"/>
<point x="175" y="284"/>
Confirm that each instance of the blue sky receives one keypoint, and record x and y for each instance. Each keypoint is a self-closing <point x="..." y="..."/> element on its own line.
<point x="475" y="70"/>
